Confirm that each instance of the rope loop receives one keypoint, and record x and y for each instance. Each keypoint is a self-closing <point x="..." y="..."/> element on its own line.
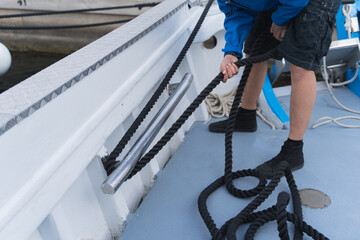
<point x="261" y="192"/>
<point x="277" y="212"/>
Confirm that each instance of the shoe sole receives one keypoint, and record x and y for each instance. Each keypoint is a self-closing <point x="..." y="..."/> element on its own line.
<point x="270" y="175"/>
<point x="235" y="130"/>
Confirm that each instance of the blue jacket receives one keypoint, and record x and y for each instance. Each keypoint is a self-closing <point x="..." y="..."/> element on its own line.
<point x="240" y="16"/>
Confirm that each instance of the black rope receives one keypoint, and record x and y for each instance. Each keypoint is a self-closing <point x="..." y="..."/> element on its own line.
<point x="273" y="213"/>
<point x="230" y="227"/>
<point x="261" y="192"/>
<point x="187" y="113"/>
<point x="140" y="6"/>
<point x="277" y="212"/>
<point x="110" y="160"/>
<point x="62" y="26"/>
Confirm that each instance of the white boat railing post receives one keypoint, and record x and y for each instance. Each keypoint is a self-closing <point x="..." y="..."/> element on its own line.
<point x="124" y="168"/>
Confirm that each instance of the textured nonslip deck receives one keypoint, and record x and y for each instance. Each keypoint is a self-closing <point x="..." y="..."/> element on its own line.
<point x="332" y="166"/>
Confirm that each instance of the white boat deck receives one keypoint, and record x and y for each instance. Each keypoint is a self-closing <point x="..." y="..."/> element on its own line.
<point x="57" y="125"/>
<point x="332" y="164"/>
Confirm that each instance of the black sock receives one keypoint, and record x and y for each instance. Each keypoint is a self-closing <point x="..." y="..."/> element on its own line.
<point x="291" y="142"/>
<point x="243" y="110"/>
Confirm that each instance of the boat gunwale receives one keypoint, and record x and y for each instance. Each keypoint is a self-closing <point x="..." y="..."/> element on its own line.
<point x="14" y="103"/>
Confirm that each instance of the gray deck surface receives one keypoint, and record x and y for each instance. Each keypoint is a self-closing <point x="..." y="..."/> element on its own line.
<point x="332" y="164"/>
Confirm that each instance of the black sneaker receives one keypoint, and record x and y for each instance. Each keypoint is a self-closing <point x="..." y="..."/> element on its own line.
<point x="293" y="154"/>
<point x="245" y="121"/>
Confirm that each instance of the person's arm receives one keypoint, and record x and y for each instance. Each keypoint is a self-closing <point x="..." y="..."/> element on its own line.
<point x="238" y="23"/>
<point x="287" y="9"/>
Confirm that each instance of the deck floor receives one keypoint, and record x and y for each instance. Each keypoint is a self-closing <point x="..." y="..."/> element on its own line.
<point x="331" y="165"/>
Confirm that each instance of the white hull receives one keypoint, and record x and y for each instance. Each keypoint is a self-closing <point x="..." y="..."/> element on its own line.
<point x="58" y="124"/>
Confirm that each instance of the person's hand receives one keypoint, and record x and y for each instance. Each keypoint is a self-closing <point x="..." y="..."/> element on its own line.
<point x="228" y="67"/>
<point x="278" y="31"/>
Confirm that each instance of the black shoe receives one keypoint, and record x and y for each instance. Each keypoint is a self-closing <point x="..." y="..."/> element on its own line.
<point x="291" y="153"/>
<point x="245" y="121"/>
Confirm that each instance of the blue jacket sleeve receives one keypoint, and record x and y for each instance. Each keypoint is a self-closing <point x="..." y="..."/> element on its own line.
<point x="238" y="24"/>
<point x="287" y="9"/>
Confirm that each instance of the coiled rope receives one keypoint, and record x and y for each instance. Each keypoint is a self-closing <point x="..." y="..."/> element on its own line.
<point x="346" y="9"/>
<point x="139" y="6"/>
<point x="262" y="191"/>
<point x="219" y="106"/>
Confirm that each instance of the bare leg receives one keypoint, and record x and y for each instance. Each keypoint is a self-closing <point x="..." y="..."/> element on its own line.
<point x="302" y="99"/>
<point x="254" y="85"/>
<point x="303" y="94"/>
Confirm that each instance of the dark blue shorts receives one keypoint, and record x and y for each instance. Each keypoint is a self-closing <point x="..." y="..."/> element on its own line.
<point x="308" y="35"/>
<point x="262" y="23"/>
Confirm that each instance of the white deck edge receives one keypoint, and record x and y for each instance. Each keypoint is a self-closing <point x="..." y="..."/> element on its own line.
<point x="21" y="101"/>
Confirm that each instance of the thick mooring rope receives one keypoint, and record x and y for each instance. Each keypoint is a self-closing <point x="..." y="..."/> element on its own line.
<point x="261" y="192"/>
<point x="110" y="161"/>
<point x="195" y="104"/>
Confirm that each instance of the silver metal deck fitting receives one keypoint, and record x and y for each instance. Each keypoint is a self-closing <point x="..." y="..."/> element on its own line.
<point x="314" y="198"/>
<point x="123" y="170"/>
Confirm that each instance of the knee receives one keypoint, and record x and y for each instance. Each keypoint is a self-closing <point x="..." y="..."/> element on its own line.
<point x="298" y="73"/>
